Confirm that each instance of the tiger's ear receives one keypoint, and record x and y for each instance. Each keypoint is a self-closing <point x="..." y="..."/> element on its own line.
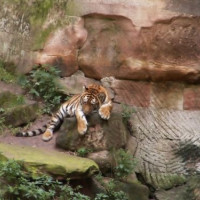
<point x="102" y="97"/>
<point x="85" y="88"/>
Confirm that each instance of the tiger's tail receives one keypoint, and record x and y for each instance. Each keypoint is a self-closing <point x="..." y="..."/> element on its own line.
<point x="36" y="132"/>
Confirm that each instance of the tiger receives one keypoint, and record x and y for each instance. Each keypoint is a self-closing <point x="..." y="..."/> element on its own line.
<point x="94" y="98"/>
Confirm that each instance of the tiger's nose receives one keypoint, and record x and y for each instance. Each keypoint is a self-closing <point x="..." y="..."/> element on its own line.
<point x="87" y="109"/>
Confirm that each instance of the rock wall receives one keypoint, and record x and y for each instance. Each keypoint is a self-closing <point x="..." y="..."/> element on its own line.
<point x="135" y="40"/>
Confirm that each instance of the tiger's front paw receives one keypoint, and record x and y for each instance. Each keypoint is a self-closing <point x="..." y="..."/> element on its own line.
<point x="82" y="127"/>
<point x="104" y="112"/>
<point x="47" y="135"/>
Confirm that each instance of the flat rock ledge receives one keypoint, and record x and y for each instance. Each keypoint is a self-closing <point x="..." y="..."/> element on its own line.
<point x="57" y="164"/>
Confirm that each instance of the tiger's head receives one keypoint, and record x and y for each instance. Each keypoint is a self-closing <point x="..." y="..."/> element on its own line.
<point x="92" y="98"/>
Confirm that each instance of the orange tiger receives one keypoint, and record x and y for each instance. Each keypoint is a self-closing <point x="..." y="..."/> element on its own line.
<point x="94" y="98"/>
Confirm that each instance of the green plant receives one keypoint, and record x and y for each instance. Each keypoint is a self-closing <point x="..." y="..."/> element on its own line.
<point x="112" y="195"/>
<point x="124" y="164"/>
<point x="127" y="111"/>
<point x="82" y="152"/>
<point x="42" y="83"/>
<point x="190" y="154"/>
<point x="2" y="125"/>
<point x="110" y="190"/>
<point x="188" y="151"/>
<point x="9" y="100"/>
<point x="67" y="193"/>
<point x="5" y="75"/>
<point x="20" y="185"/>
<point x="2" y="110"/>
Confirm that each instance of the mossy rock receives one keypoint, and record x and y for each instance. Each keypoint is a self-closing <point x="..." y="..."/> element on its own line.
<point x="165" y="180"/>
<point x="21" y="114"/>
<point x="176" y="193"/>
<point x="10" y="100"/>
<point x="16" y="110"/>
<point x="134" y="190"/>
<point x="101" y="134"/>
<point x="57" y="164"/>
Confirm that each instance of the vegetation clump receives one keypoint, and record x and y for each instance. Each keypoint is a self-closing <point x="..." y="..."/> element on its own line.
<point x="127" y="111"/>
<point x="110" y="190"/>
<point x="124" y="164"/>
<point x="19" y="184"/>
<point x="42" y="83"/>
<point x="82" y="152"/>
<point x="6" y="72"/>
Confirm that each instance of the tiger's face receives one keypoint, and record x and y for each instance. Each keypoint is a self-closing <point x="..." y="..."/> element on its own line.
<point x="92" y="98"/>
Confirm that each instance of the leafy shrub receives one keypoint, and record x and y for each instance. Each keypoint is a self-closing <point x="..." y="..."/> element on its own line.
<point x="193" y="187"/>
<point x="127" y="111"/>
<point x="5" y="75"/>
<point x="9" y="101"/>
<point x="20" y="185"/>
<point x="124" y="164"/>
<point x="82" y="152"/>
<point x="110" y="193"/>
<point x="188" y="151"/>
<point x="2" y="125"/>
<point x="42" y="83"/>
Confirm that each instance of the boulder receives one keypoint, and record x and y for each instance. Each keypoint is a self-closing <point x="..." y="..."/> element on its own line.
<point x="159" y="134"/>
<point x="74" y="84"/>
<point x="61" y="48"/>
<point x="54" y="163"/>
<point x="116" y="47"/>
<point x="16" y="109"/>
<point x="101" y="134"/>
<point x="21" y="115"/>
<point x="177" y="193"/>
<point x="104" y="159"/>
<point x="134" y="190"/>
<point x="108" y="43"/>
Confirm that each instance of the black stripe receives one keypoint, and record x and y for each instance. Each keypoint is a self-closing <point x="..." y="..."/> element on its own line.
<point x="34" y="133"/>
<point x="57" y="115"/>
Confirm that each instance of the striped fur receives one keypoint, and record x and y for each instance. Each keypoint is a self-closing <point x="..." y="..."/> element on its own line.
<point x="94" y="97"/>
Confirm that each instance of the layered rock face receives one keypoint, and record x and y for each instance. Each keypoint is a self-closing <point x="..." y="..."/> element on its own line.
<point x="126" y="39"/>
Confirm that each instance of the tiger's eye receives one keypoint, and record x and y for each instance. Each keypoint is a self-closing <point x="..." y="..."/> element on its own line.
<point x="85" y="99"/>
<point x="93" y="101"/>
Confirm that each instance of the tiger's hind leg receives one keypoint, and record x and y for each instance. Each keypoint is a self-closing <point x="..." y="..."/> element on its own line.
<point x="55" y="123"/>
<point x="47" y="135"/>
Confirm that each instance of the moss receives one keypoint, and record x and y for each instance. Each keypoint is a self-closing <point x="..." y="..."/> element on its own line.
<point x="9" y="100"/>
<point x="167" y="181"/>
<point x="41" y="37"/>
<point x="72" y="8"/>
<point x="134" y="190"/>
<point x="55" y="163"/>
<point x="21" y="114"/>
<point x="10" y="67"/>
<point x="35" y="14"/>
<point x="7" y="72"/>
